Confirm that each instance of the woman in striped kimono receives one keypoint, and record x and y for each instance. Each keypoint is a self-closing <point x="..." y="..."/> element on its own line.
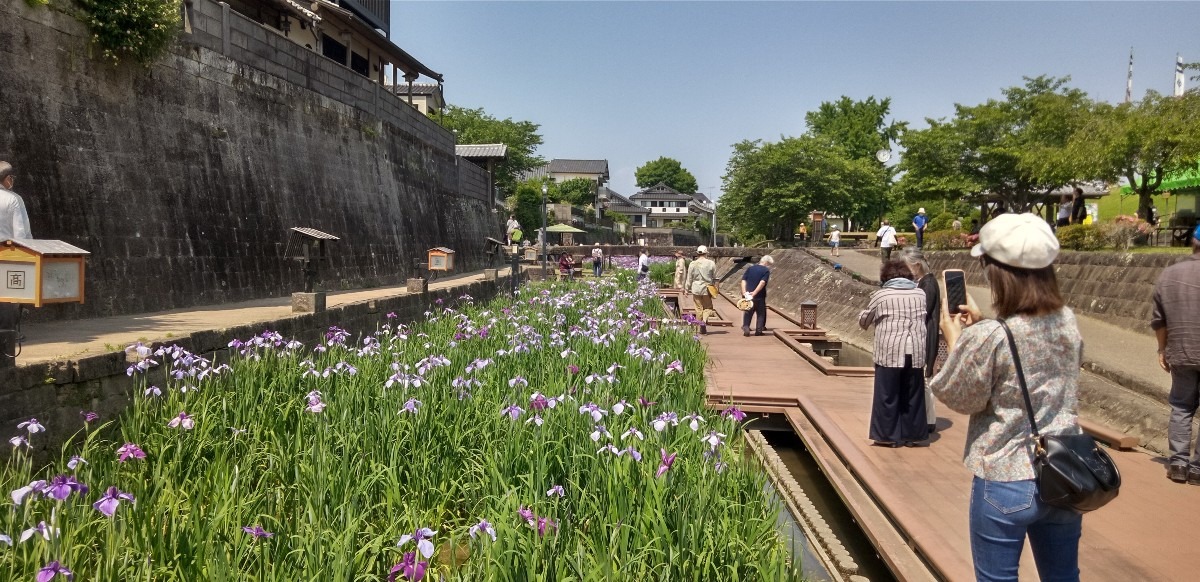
<point x="898" y="313"/>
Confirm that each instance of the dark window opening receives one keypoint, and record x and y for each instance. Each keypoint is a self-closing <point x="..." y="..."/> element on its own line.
<point x="359" y="64"/>
<point x="333" y="49"/>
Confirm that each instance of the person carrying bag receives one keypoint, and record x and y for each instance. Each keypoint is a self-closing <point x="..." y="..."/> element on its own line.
<point x="1013" y="494"/>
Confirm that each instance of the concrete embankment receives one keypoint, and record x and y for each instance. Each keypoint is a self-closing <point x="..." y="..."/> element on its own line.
<point x="799" y="276"/>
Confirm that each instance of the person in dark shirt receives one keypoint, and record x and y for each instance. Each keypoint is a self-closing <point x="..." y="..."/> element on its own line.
<point x="754" y="288"/>
<point x="1078" y="210"/>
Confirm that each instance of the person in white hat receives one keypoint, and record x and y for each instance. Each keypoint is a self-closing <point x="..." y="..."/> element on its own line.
<point x="835" y="241"/>
<point x="701" y="277"/>
<point x="1017" y="253"/>
<point x="597" y="260"/>
<point x="919" y="222"/>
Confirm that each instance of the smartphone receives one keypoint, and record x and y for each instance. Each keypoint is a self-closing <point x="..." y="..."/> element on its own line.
<point x="956" y="289"/>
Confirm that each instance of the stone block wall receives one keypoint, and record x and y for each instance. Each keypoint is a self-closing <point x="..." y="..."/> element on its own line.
<point x="56" y="392"/>
<point x="1113" y="287"/>
<point x="182" y="178"/>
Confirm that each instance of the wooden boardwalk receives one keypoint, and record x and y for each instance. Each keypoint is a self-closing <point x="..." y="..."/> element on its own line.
<point x="912" y="502"/>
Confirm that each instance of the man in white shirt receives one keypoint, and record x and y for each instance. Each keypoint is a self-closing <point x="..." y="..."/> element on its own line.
<point x="14" y="223"/>
<point x="887" y="240"/>
<point x="597" y="260"/>
<point x="14" y="220"/>
<point x="510" y="227"/>
<point x="643" y="265"/>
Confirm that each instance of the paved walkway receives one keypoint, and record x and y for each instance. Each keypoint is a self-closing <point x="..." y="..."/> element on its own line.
<point x="1111" y="350"/>
<point x="62" y="340"/>
<point x="918" y="496"/>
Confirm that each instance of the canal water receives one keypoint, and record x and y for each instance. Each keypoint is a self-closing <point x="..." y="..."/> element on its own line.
<point x="804" y="469"/>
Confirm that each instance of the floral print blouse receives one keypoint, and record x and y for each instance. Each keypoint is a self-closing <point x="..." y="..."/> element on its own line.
<point x="979" y="379"/>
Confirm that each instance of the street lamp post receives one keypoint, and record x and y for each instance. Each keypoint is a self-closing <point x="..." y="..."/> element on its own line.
<point x="545" y="190"/>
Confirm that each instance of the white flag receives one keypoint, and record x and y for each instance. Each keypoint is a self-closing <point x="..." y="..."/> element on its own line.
<point x="1178" y="76"/>
<point x="1129" y="79"/>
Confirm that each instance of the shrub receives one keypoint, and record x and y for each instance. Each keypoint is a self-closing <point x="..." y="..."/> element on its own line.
<point x="663" y="274"/>
<point x="1081" y="237"/>
<point x="939" y="222"/>
<point x="946" y="240"/>
<point x="1123" y="230"/>
<point x="136" y="29"/>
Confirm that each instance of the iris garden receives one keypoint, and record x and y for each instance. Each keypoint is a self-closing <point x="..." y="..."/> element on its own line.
<point x="558" y="436"/>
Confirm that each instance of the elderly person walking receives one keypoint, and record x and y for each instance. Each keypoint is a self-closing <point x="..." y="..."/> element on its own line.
<point x="700" y="274"/>
<point x="887" y="239"/>
<point x="680" y="270"/>
<point x="980" y="379"/>
<point x="1176" y="324"/>
<point x="927" y="282"/>
<point x="898" y="313"/>
<point x="754" y="287"/>
<point x="14" y="223"/>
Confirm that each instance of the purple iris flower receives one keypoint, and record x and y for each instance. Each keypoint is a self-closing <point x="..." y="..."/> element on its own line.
<point x="536" y="420"/>
<point x="40" y="529"/>
<point x="572" y="369"/>
<point x="513" y="382"/>
<point x="633" y="431"/>
<point x="661" y="422"/>
<point x="544" y="523"/>
<point x="483" y="526"/>
<point x="644" y="403"/>
<point x="667" y="461"/>
<point x="315" y="405"/>
<point x="556" y="490"/>
<point x="539" y="402"/>
<point x="128" y="450"/>
<point x="75" y="461"/>
<point x="257" y="531"/>
<point x="391" y="315"/>
<point x="4" y="538"/>
<point x="411" y="405"/>
<point x="88" y="416"/>
<point x="632" y="452"/>
<point x="61" y="487"/>
<point x="422" y="537"/>
<point x="49" y="571"/>
<point x="600" y="432"/>
<point x="152" y="391"/>
<point x="39" y="487"/>
<point x="610" y="448"/>
<point x="513" y="411"/>
<point x="32" y="425"/>
<point x="674" y="367"/>
<point x="18" y="440"/>
<point x="183" y="420"/>
<point x="594" y="410"/>
<point x="620" y="407"/>
<point x="694" y="421"/>
<point x="111" y="499"/>
<point x="735" y="413"/>
<point x="409" y="568"/>
<point x="526" y="514"/>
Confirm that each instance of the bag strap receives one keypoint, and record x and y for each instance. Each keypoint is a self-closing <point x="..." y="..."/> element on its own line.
<point x="1012" y="345"/>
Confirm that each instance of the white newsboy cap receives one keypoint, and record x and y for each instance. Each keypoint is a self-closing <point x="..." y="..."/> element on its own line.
<point x="1024" y="241"/>
<point x="702" y="250"/>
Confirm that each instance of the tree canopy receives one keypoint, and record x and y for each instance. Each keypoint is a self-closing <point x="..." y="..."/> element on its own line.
<point x="770" y="187"/>
<point x="475" y="126"/>
<point x="859" y="127"/>
<point x="1000" y="146"/>
<point x="668" y="171"/>
<point x="577" y="191"/>
<point x="1142" y="142"/>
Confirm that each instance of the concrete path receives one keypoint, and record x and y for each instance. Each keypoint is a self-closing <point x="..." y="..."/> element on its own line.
<point x="62" y="340"/>
<point x="1125" y="356"/>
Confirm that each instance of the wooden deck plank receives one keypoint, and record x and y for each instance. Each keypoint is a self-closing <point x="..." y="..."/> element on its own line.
<point x="924" y="491"/>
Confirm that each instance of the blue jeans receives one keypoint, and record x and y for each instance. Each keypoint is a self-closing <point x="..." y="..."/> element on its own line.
<point x="1002" y="514"/>
<point x="597" y="268"/>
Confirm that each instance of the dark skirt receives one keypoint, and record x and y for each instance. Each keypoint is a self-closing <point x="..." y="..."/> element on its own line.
<point x="898" y="412"/>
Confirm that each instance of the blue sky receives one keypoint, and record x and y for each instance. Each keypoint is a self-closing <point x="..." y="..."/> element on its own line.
<point x="632" y="81"/>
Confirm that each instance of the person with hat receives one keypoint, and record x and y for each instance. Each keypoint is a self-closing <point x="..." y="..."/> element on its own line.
<point x="754" y="287"/>
<point x="701" y="274"/>
<point x="979" y="378"/>
<point x="597" y="260"/>
<point x="835" y="240"/>
<point x="680" y="270"/>
<point x="1176" y="325"/>
<point x="919" y="222"/>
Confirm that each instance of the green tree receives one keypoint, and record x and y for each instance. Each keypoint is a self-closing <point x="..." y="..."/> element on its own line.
<point x="668" y="171"/>
<point x="526" y="205"/>
<point x="475" y="126"/>
<point x="860" y="129"/>
<point x="1000" y="147"/>
<point x="1141" y="142"/>
<point x="770" y="187"/>
<point x="577" y="192"/>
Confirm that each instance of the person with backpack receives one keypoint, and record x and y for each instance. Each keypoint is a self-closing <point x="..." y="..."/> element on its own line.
<point x="887" y="240"/>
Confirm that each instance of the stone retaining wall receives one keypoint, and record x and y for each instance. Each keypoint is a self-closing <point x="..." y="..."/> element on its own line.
<point x="1113" y="287"/>
<point x="56" y="392"/>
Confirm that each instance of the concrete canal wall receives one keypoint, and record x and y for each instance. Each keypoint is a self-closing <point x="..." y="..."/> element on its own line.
<point x="183" y="178"/>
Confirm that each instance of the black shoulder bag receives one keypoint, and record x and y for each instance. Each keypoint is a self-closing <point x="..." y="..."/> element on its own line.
<point x="1071" y="471"/>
